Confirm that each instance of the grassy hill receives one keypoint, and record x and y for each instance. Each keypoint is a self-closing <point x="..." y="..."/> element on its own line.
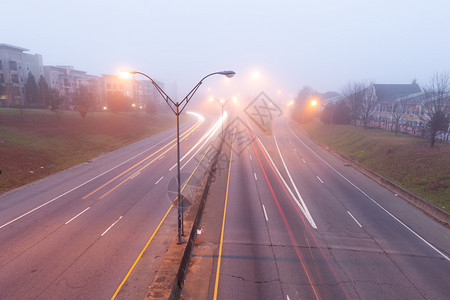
<point x="38" y="145"/>
<point x="403" y="159"/>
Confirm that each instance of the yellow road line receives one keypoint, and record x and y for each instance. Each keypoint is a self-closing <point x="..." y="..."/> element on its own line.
<point x="140" y="254"/>
<point x="219" y="260"/>
<point x="145" y="166"/>
<point x="189" y="131"/>
<point x="156" y="230"/>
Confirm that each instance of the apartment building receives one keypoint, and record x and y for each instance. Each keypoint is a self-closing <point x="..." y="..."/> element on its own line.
<point x="15" y="65"/>
<point x="141" y="92"/>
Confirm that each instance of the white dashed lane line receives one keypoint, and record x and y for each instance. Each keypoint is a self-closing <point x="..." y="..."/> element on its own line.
<point x="111" y="226"/>
<point x="135" y="175"/>
<point x="359" y="224"/>
<point x="77" y="215"/>
<point x="159" y="180"/>
<point x="265" y="213"/>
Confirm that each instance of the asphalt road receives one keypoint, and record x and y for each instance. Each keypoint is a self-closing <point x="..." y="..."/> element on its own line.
<point x="288" y="220"/>
<point x="82" y="233"/>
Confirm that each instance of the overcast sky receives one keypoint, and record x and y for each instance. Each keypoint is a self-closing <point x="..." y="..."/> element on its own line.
<point x="320" y="43"/>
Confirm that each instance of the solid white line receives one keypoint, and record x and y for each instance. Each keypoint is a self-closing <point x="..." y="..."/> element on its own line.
<point x="304" y="160"/>
<point x="359" y="224"/>
<point x="135" y="175"/>
<point x="375" y="202"/>
<point x="265" y="213"/>
<point x="250" y="157"/>
<point x="84" y="183"/>
<point x="111" y="226"/>
<point x="305" y="208"/>
<point x="162" y="156"/>
<point x="319" y="179"/>
<point x="287" y="297"/>
<point x="255" y="176"/>
<point x="159" y="180"/>
<point x="77" y="216"/>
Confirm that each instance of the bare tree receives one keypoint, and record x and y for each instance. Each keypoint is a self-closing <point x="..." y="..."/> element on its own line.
<point x="368" y="103"/>
<point x="436" y="105"/>
<point x="362" y="101"/>
<point x="399" y="111"/>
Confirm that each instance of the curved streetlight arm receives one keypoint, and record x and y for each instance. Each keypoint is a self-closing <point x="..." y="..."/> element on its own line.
<point x="188" y="97"/>
<point x="163" y="94"/>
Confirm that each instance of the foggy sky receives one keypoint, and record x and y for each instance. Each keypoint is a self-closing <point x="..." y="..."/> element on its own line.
<point x="321" y="43"/>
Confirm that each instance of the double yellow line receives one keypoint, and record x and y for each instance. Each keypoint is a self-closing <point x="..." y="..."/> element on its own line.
<point x="184" y="136"/>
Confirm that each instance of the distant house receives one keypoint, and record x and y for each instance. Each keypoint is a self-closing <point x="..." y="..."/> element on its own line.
<point x="401" y="105"/>
<point x="399" y="101"/>
<point x="15" y="65"/>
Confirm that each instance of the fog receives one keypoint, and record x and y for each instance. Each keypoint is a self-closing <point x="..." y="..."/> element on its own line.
<point x="290" y="44"/>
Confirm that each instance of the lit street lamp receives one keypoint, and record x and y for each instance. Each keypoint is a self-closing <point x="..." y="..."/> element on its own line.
<point x="177" y="108"/>
<point x="314" y="103"/>
<point x="222" y="103"/>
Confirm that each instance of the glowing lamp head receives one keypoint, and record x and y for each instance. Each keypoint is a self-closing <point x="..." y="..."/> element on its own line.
<point x="314" y="102"/>
<point x="125" y="74"/>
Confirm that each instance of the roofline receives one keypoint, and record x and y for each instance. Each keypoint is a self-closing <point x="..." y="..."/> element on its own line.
<point x="13" y="47"/>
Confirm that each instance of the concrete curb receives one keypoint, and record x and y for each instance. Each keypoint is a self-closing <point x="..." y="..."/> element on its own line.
<point x="428" y="208"/>
<point x="181" y="275"/>
<point x="169" y="281"/>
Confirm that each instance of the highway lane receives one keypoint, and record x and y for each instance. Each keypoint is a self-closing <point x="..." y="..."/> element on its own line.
<point x="60" y="240"/>
<point x="403" y="252"/>
<point x="349" y="238"/>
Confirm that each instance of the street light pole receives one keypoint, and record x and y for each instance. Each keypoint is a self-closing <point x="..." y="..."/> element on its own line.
<point x="222" y="118"/>
<point x="180" y="204"/>
<point x="177" y="108"/>
<point x="222" y="104"/>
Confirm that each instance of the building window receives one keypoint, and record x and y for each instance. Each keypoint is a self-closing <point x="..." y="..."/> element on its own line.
<point x="13" y="65"/>
<point x="2" y="78"/>
<point x="14" y="78"/>
<point x="108" y="86"/>
<point x="1" y="65"/>
<point x="28" y="67"/>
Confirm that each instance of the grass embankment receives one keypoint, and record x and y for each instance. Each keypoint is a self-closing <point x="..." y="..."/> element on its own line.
<point x="406" y="160"/>
<point x="37" y="146"/>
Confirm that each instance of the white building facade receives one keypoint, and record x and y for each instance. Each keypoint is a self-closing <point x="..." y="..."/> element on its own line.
<point x="15" y="65"/>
